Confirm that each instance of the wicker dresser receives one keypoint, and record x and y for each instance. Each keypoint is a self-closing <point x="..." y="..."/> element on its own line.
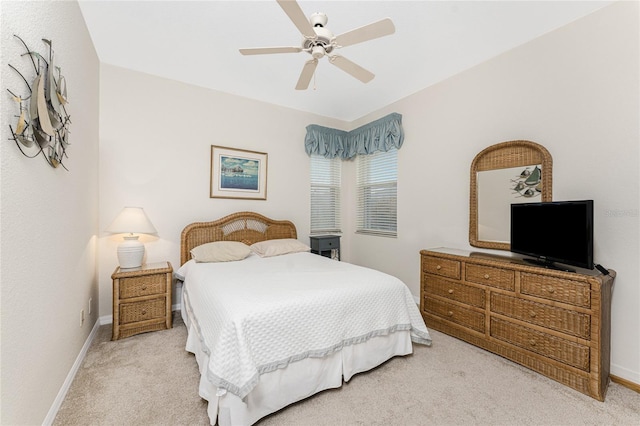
<point x="556" y="323"/>
<point x="141" y="299"/>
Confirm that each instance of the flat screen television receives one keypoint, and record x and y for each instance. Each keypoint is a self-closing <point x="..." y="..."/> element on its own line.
<point x="558" y="231"/>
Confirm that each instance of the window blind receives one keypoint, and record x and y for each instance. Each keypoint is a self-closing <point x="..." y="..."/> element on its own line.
<point x="377" y="176"/>
<point x="325" y="194"/>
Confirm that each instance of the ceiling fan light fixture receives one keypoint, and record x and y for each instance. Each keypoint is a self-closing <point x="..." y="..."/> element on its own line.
<point x="317" y="52"/>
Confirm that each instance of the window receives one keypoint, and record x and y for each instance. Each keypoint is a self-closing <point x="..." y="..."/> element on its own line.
<point x="377" y="176"/>
<point x="325" y="194"/>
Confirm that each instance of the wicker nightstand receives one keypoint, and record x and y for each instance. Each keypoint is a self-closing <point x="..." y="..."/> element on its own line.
<point x="141" y="299"/>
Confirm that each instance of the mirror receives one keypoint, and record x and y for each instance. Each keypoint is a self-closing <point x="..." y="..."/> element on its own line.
<point x="502" y="174"/>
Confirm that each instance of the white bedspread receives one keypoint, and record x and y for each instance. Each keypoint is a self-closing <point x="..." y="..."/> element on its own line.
<point x="261" y="314"/>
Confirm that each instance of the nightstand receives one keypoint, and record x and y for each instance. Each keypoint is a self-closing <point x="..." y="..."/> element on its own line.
<point x="326" y="245"/>
<point x="141" y="299"/>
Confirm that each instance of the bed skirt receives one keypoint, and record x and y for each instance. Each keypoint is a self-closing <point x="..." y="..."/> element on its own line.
<point x="297" y="381"/>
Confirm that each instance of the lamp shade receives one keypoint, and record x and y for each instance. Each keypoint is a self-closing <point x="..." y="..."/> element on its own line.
<point x="131" y="220"/>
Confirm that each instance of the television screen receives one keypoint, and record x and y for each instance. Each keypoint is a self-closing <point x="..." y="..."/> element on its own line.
<point x="559" y="231"/>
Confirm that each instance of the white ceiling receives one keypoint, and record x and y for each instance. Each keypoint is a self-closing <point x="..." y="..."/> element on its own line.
<point x="197" y="42"/>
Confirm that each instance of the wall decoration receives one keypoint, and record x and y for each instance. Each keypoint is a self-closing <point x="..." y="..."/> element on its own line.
<point x="528" y="183"/>
<point x="43" y="122"/>
<point x="238" y="173"/>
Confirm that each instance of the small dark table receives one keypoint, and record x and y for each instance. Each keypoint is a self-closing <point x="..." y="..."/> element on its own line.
<point x="326" y="245"/>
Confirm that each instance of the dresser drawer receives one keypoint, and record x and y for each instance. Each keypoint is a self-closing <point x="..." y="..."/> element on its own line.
<point x="454" y="291"/>
<point x="567" y="291"/>
<point x="143" y="286"/>
<point x="143" y="310"/>
<point x="444" y="267"/>
<point x="559" y="319"/>
<point x="454" y="313"/>
<point x="495" y="277"/>
<point x="562" y="350"/>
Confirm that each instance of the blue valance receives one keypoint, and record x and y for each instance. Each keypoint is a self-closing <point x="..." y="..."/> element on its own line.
<point x="379" y="135"/>
<point x="324" y="141"/>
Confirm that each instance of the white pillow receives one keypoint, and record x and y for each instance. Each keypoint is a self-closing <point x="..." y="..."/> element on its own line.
<point x="277" y="247"/>
<point x="220" y="251"/>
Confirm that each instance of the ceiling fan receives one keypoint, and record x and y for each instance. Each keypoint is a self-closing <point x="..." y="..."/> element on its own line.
<point x="318" y="41"/>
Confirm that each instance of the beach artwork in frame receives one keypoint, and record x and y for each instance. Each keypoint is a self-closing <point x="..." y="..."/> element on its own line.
<point x="238" y="173"/>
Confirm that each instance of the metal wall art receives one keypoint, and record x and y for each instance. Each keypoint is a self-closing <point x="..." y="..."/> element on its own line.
<point x="43" y="121"/>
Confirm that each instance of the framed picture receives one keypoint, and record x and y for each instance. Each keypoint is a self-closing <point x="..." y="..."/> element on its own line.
<point x="238" y="173"/>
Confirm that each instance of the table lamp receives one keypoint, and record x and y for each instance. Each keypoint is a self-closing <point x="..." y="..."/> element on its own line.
<point x="131" y="220"/>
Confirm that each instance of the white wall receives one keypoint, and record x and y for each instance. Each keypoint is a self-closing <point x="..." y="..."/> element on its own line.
<point x="48" y="216"/>
<point x="155" y="143"/>
<point x="575" y="91"/>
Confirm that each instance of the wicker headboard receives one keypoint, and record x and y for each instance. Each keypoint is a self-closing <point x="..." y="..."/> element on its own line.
<point x="246" y="227"/>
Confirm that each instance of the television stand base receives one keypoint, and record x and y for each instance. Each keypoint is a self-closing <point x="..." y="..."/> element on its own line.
<point x="548" y="265"/>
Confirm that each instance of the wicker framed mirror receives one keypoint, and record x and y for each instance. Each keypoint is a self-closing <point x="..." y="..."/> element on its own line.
<point x="505" y="173"/>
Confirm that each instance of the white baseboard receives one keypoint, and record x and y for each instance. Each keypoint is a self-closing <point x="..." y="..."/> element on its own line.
<point x="53" y="411"/>
<point x="106" y="319"/>
<point x="625" y="373"/>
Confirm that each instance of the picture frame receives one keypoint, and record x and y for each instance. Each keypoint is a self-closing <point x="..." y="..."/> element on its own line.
<point x="238" y="173"/>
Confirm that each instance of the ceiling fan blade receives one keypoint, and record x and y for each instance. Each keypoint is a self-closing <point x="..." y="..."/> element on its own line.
<point x="368" y="32"/>
<point x="351" y="68"/>
<point x="306" y="74"/>
<point x="297" y="16"/>
<point x="269" y="50"/>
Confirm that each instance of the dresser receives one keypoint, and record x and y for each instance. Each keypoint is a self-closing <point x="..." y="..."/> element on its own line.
<point x="553" y="322"/>
<point x="141" y="299"/>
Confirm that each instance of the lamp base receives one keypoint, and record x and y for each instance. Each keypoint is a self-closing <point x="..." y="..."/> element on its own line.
<point x="130" y="252"/>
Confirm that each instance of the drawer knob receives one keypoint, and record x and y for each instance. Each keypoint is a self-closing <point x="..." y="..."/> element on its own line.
<point x="450" y="313"/>
<point x="532" y="314"/>
<point x="450" y="291"/>
<point x="532" y="342"/>
<point x="486" y="276"/>
<point x="143" y="312"/>
<point x="551" y="289"/>
<point x="144" y="287"/>
<point x="438" y="267"/>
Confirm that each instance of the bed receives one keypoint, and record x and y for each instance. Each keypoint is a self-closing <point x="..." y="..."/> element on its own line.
<point x="281" y="324"/>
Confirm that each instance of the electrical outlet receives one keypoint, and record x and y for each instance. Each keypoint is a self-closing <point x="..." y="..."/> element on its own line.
<point x="81" y="317"/>
<point x="90" y="300"/>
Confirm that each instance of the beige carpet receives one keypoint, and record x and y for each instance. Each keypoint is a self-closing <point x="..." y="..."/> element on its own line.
<point x="149" y="379"/>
